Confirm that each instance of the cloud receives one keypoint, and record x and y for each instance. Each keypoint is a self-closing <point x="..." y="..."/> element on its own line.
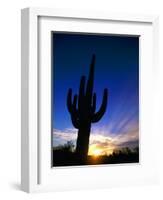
<point x="125" y="137"/>
<point x="111" y="142"/>
<point x="102" y="140"/>
<point x="62" y="136"/>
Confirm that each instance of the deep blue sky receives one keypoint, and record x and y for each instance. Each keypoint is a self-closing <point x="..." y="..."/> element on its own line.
<point x="116" y="68"/>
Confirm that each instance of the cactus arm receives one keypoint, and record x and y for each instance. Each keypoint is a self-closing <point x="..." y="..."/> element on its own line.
<point x="74" y="113"/>
<point x="74" y="104"/>
<point x="93" y="104"/>
<point x="98" y="115"/>
<point x="75" y="122"/>
<point x="69" y="100"/>
<point x="73" y="109"/>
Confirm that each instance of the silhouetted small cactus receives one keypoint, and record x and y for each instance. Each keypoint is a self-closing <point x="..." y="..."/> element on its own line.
<point x="83" y="110"/>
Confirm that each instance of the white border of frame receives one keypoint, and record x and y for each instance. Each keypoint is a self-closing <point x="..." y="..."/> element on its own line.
<point x="30" y="81"/>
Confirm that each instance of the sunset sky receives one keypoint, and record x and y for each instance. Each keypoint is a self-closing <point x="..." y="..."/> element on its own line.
<point x="116" y="68"/>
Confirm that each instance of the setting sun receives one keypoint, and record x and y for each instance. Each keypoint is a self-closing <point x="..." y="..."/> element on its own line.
<point x="96" y="152"/>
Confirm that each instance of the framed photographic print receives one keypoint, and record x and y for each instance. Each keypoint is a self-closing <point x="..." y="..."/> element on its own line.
<point x="84" y="134"/>
<point x="88" y="100"/>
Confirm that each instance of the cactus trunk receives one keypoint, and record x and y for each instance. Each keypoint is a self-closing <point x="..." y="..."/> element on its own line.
<point x="82" y="144"/>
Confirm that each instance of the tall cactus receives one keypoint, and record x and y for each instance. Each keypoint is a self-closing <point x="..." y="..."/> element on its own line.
<point x="82" y="110"/>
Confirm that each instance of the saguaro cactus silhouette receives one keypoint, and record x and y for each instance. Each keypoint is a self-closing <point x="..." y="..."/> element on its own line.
<point x="82" y="110"/>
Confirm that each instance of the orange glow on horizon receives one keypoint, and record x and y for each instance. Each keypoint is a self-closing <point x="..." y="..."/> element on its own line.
<point x="96" y="151"/>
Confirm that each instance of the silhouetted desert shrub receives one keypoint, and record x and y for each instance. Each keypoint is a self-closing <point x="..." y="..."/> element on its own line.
<point x="68" y="147"/>
<point x="65" y="156"/>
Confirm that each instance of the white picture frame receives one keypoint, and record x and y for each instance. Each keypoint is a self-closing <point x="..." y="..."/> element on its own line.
<point x="36" y="171"/>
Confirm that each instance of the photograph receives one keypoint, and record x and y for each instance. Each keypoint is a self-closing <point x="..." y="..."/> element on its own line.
<point x="94" y="99"/>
